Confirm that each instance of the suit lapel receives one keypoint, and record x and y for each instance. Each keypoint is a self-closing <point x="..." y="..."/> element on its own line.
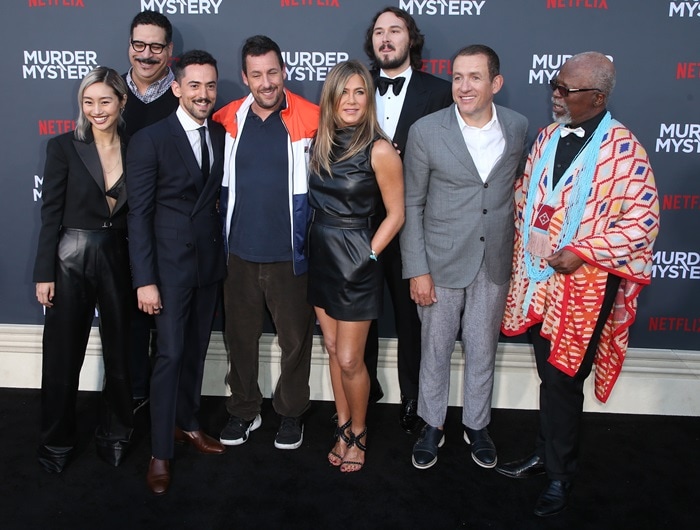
<point x="413" y="106"/>
<point x="454" y="141"/>
<point x="217" y="141"/>
<point x="87" y="151"/>
<point x="182" y="144"/>
<point x="121" y="199"/>
<point x="217" y="144"/>
<point x="505" y="123"/>
<point x="211" y="185"/>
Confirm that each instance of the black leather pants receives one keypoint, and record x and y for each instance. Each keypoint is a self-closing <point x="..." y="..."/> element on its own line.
<point x="92" y="270"/>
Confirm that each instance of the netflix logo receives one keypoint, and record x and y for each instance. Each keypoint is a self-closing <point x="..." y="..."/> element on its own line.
<point x="585" y="4"/>
<point x="682" y="324"/>
<point x="680" y="202"/>
<point x="437" y="66"/>
<point x="54" y="127"/>
<point x="56" y="3"/>
<point x="688" y="71"/>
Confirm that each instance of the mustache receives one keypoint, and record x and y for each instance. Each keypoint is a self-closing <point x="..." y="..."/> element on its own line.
<point x="146" y="60"/>
<point x="387" y="47"/>
<point x="202" y="100"/>
<point x="560" y="102"/>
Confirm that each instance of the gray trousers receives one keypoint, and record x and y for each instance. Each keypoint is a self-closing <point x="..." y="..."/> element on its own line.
<point x="478" y="308"/>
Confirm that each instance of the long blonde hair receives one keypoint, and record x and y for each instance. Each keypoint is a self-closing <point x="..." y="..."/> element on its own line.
<point x="367" y="128"/>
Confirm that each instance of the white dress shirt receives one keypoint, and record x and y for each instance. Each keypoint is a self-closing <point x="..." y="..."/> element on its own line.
<point x="389" y="106"/>
<point x="192" y="129"/>
<point x="485" y="144"/>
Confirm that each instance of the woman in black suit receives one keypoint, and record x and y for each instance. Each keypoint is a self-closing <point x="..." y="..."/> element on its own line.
<point x="82" y="262"/>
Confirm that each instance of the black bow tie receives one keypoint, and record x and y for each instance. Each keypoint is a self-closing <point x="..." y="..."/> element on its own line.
<point x="383" y="84"/>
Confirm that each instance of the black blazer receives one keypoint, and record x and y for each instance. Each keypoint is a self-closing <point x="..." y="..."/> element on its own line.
<point x="425" y="94"/>
<point x="73" y="196"/>
<point x="174" y="228"/>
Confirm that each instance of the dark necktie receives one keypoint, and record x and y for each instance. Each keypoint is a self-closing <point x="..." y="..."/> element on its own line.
<point x="383" y="84"/>
<point x="205" y="152"/>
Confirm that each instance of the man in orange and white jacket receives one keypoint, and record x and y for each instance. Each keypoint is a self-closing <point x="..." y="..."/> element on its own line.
<point x="266" y="213"/>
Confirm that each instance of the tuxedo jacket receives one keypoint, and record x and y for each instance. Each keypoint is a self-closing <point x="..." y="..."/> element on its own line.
<point x="73" y="196"/>
<point x="454" y="220"/>
<point x="174" y="227"/>
<point x="425" y="94"/>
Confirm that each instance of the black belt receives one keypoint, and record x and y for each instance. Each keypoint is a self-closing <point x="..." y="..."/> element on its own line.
<point x="340" y="222"/>
<point x="106" y="227"/>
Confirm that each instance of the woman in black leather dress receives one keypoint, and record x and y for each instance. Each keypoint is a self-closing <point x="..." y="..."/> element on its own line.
<point x="354" y="169"/>
<point x="82" y="261"/>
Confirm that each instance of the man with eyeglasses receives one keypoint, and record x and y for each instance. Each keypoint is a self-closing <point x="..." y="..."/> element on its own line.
<point x="149" y="100"/>
<point x="149" y="78"/>
<point x="587" y="215"/>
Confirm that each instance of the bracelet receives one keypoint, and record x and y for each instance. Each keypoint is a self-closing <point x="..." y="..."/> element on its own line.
<point x="373" y="255"/>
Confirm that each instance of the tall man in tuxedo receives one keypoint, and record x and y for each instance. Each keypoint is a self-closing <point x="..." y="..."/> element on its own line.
<point x="461" y="165"/>
<point x="174" y="172"/>
<point x="149" y="100"/>
<point x="404" y="94"/>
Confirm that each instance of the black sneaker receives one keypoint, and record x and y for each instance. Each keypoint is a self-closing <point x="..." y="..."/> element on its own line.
<point x="290" y="434"/>
<point x="237" y="430"/>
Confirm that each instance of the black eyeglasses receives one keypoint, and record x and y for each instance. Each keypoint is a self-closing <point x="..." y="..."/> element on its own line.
<point x="155" y="47"/>
<point x="564" y="91"/>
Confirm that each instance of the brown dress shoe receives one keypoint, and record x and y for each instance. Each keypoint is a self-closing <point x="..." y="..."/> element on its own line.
<point x="201" y="441"/>
<point x="158" y="476"/>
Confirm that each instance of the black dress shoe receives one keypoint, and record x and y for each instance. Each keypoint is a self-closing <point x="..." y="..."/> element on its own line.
<point x="482" y="446"/>
<point x="553" y="499"/>
<point x="425" y="449"/>
<point x="527" y="467"/>
<point x="53" y="459"/>
<point x="111" y="452"/>
<point x="409" y="419"/>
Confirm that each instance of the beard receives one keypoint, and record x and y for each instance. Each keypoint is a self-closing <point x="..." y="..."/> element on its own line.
<point x="563" y="119"/>
<point x="389" y="63"/>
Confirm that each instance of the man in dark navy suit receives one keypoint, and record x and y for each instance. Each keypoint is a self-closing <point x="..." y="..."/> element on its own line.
<point x="174" y="172"/>
<point x="404" y="94"/>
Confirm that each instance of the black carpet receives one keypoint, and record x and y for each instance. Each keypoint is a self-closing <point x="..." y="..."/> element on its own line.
<point x="638" y="472"/>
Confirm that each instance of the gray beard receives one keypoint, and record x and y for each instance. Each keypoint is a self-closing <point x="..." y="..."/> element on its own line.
<point x="563" y="120"/>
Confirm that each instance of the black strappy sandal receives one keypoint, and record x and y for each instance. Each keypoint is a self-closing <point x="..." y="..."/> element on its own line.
<point x="355" y="441"/>
<point x="340" y="433"/>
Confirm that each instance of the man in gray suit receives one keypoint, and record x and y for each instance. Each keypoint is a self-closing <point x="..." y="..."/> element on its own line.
<point x="461" y="164"/>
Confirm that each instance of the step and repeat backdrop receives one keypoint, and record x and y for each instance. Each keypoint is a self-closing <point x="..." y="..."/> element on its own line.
<point x="49" y="45"/>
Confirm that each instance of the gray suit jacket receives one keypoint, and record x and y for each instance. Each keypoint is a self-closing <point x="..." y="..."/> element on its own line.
<point x="454" y="220"/>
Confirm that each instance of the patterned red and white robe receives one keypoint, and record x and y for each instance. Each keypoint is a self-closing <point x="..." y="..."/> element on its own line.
<point x="616" y="235"/>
